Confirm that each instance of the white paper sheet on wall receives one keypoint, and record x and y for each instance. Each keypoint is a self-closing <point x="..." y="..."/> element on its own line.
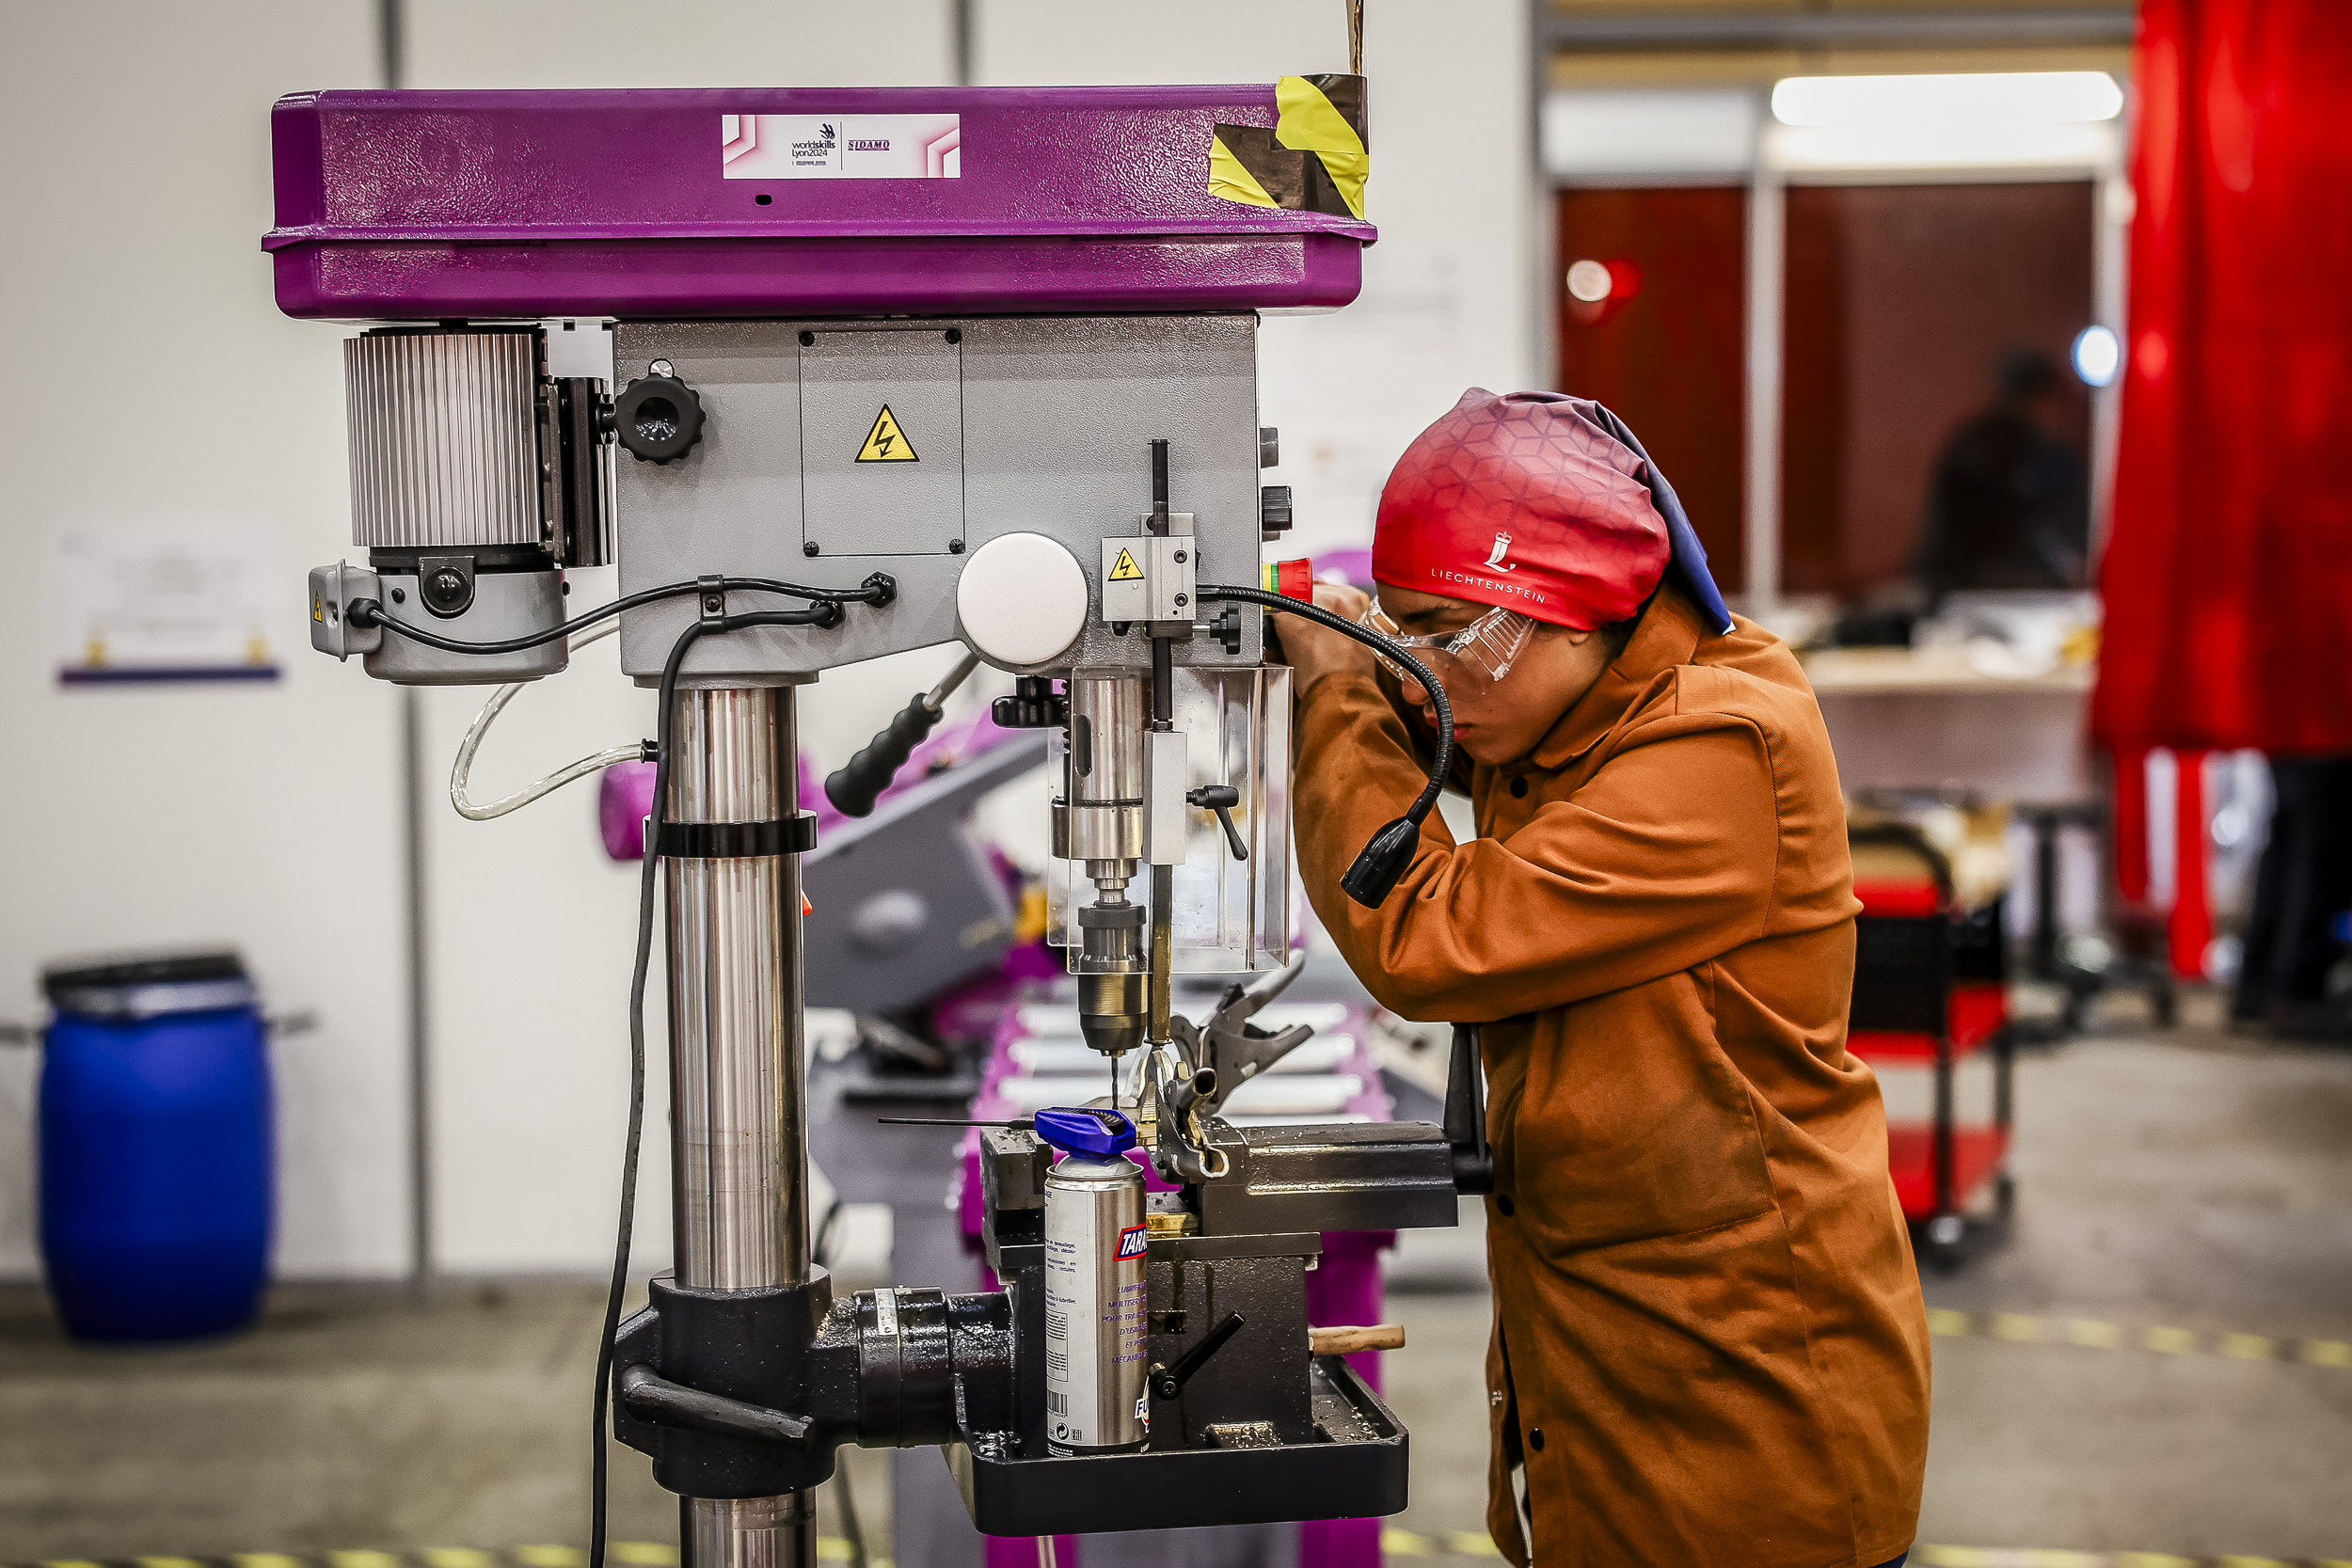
<point x="170" y="599"/>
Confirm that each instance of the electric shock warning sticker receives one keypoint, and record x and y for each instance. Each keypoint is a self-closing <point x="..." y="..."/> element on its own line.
<point x="1124" y="569"/>
<point x="841" y="147"/>
<point x="886" y="442"/>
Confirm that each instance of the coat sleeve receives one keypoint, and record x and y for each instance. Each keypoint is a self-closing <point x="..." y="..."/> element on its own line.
<point x="1662" y="860"/>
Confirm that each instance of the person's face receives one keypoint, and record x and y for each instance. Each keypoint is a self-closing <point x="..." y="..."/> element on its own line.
<point x="1497" y="722"/>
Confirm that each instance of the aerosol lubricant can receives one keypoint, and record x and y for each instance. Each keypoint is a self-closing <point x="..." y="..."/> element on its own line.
<point x="1095" y="1247"/>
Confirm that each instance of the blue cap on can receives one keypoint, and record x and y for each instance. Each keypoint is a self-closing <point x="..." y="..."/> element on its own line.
<point x="1076" y="1131"/>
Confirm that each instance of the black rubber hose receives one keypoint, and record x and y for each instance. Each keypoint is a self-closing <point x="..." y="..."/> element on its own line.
<point x="854" y="786"/>
<point x="877" y="589"/>
<point x="823" y="614"/>
<point x="1383" y="857"/>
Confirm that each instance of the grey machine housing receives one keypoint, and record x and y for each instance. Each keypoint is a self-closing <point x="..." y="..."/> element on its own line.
<point x="1019" y="424"/>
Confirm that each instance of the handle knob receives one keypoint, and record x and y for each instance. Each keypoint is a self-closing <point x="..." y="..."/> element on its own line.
<point x="1221" y="798"/>
<point x="657" y="419"/>
<point x="857" y="784"/>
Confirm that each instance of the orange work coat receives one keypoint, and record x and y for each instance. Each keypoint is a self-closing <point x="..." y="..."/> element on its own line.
<point x="1708" y="1344"/>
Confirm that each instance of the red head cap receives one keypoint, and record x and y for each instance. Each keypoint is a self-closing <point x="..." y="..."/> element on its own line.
<point x="1526" y="502"/>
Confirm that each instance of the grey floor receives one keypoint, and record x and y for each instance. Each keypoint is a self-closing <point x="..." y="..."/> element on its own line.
<point x="2190" y="1183"/>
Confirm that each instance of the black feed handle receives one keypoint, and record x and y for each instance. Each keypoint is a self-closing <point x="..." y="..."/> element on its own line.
<point x="854" y="787"/>
<point x="1169" y="1382"/>
<point x="1466" y="1116"/>
<point x="1222" y="799"/>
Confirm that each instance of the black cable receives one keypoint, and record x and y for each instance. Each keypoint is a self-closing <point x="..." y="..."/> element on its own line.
<point x="1386" y="854"/>
<point x="824" y="615"/>
<point x="1379" y="644"/>
<point x="371" y="612"/>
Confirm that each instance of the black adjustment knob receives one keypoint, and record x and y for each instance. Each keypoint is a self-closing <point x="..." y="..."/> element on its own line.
<point x="445" y="583"/>
<point x="1274" y="508"/>
<point x="1221" y="798"/>
<point x="657" y="419"/>
<point x="1032" y="706"/>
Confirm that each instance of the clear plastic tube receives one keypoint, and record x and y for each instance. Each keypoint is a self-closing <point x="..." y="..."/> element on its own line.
<point x="484" y="810"/>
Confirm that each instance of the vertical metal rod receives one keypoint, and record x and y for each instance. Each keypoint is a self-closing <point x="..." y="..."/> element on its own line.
<point x="738" y="1101"/>
<point x="389" y="69"/>
<point x="963" y="19"/>
<point x="1767" y="259"/>
<point x="391" y="41"/>
<point x="2112" y="204"/>
<point x="419" y="998"/>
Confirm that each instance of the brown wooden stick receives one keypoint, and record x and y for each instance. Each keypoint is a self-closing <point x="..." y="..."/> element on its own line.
<point x="1340" y="1341"/>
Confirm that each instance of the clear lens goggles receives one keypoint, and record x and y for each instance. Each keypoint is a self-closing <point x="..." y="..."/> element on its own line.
<point x="1489" y="645"/>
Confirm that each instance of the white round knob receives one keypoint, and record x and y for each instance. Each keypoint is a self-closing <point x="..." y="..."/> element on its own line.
<point x="1022" y="598"/>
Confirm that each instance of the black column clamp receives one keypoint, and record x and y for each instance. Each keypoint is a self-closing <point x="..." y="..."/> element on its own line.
<point x="789" y="835"/>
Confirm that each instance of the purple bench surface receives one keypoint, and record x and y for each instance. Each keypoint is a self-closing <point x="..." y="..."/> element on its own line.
<point x="783" y="202"/>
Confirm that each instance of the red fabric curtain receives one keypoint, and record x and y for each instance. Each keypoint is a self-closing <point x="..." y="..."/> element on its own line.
<point x="2228" y="575"/>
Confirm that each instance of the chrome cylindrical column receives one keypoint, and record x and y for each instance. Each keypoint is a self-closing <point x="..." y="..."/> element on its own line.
<point x="738" y="1102"/>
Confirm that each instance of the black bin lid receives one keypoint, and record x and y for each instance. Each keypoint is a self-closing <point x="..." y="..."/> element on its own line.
<point x="146" y="983"/>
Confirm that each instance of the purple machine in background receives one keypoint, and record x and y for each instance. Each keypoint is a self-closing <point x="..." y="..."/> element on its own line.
<point x="978" y="265"/>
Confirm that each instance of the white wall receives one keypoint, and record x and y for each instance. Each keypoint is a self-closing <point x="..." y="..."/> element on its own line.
<point x="139" y="305"/>
<point x="151" y="375"/>
<point x="1447" y="300"/>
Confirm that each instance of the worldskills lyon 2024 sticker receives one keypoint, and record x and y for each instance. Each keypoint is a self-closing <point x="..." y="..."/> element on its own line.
<point x="841" y="147"/>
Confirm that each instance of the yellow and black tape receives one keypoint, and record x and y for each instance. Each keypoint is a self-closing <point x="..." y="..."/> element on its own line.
<point x="1314" y="160"/>
<point x="2024" y="1328"/>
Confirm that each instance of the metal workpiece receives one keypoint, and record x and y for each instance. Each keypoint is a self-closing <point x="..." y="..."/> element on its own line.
<point x="444" y="438"/>
<point x="1359" y="1176"/>
<point x="1056" y="414"/>
<point x="748" y="1532"/>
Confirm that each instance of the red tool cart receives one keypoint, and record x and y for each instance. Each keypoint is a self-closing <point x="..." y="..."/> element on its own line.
<point x="1930" y="993"/>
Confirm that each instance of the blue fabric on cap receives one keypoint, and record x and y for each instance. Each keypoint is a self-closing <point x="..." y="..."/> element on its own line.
<point x="1689" y="557"/>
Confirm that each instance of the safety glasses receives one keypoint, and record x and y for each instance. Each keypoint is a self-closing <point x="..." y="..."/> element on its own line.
<point x="1488" y="645"/>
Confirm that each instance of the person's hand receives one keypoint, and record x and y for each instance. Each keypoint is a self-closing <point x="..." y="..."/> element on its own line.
<point x="1317" y="651"/>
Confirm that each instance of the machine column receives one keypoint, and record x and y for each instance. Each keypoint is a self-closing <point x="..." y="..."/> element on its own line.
<point x="737" y="1100"/>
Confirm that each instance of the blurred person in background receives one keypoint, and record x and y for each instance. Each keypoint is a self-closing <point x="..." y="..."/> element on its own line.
<point x="2302" y="899"/>
<point x="2010" y="502"/>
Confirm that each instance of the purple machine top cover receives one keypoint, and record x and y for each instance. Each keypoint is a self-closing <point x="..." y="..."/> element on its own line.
<point x="781" y="202"/>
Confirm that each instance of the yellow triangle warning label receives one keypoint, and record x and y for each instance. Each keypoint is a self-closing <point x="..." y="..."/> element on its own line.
<point x="886" y="442"/>
<point x="318" y="610"/>
<point x="1124" y="569"/>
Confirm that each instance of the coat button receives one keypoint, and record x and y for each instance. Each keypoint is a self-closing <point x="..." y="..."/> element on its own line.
<point x="1518" y="789"/>
<point x="1503" y="1203"/>
<point x="1536" y="1439"/>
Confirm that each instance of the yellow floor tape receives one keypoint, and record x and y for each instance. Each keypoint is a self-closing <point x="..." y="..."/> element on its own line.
<point x="2091" y="1334"/>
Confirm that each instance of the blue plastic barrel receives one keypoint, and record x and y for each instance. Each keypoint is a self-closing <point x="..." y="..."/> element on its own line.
<point x="157" y="1187"/>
